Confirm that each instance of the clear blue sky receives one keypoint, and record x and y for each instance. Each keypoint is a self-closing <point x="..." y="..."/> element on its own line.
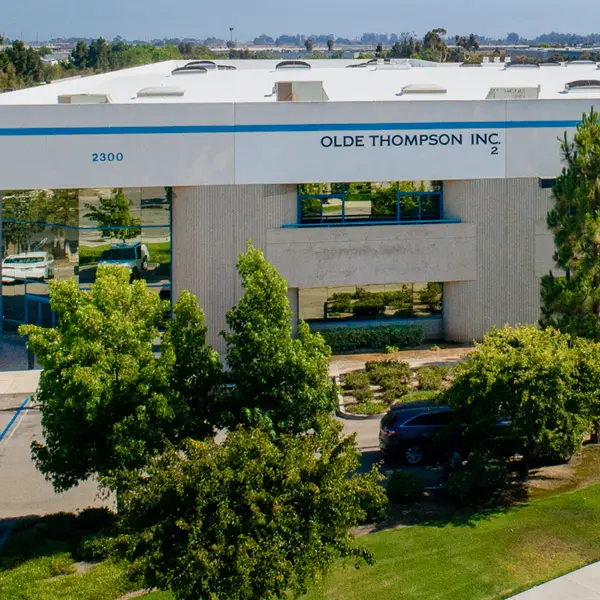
<point x="146" y="19"/>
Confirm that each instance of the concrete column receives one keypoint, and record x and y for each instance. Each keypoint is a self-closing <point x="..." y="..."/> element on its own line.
<point x="211" y="225"/>
<point x="507" y="214"/>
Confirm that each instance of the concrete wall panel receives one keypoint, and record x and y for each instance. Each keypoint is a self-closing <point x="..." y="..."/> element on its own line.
<point x="211" y="225"/>
<point x="506" y="287"/>
<point x="337" y="256"/>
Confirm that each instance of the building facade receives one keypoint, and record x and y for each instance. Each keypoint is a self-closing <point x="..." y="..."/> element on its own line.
<point x="371" y="188"/>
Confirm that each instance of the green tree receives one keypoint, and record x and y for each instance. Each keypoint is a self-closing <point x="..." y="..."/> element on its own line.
<point x="571" y="303"/>
<point x="98" y="55"/>
<point x="113" y="213"/>
<point x="543" y="383"/>
<point x="435" y="44"/>
<point x="280" y="381"/>
<point x="250" y="519"/>
<point x="330" y="44"/>
<point x="22" y="212"/>
<point x="379" y="50"/>
<point x="107" y="401"/>
<point x="308" y="43"/>
<point x="79" y="55"/>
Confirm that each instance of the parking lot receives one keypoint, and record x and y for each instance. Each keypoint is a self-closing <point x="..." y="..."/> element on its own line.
<point x="23" y="490"/>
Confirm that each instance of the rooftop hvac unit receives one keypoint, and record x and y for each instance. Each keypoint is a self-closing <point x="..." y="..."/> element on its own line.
<point x="84" y="99"/>
<point x="300" y="91"/>
<point x="514" y="93"/>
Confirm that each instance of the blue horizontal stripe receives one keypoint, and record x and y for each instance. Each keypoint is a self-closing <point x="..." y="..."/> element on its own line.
<point x="280" y="128"/>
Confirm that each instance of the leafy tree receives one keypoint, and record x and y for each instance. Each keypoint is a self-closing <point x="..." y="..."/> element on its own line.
<point x="541" y="381"/>
<point x="115" y="212"/>
<point x="309" y="45"/>
<point x="251" y="519"/>
<point x="572" y="303"/>
<point x="433" y="41"/>
<point x="97" y="57"/>
<point x="330" y="44"/>
<point x="107" y="402"/>
<point x="379" y="50"/>
<point x="280" y="381"/>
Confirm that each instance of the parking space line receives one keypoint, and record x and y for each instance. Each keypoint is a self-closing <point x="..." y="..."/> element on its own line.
<point x="14" y="418"/>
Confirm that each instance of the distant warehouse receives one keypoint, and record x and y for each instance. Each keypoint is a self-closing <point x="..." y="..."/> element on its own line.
<point x="384" y="191"/>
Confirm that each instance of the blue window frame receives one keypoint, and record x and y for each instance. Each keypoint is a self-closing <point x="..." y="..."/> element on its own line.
<point x="373" y="205"/>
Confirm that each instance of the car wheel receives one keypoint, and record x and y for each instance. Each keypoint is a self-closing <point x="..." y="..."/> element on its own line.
<point x="135" y="274"/>
<point x="145" y="264"/>
<point x="413" y="455"/>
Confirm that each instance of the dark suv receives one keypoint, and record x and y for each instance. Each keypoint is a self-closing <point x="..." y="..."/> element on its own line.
<point x="410" y="430"/>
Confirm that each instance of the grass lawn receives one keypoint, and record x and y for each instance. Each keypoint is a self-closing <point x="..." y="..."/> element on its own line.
<point x="488" y="558"/>
<point x="470" y="557"/>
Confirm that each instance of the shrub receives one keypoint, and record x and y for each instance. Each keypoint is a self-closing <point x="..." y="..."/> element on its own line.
<point x="390" y="381"/>
<point x="482" y="478"/>
<point x="390" y="396"/>
<point x="344" y="339"/>
<point x="421" y="396"/>
<point x="356" y="381"/>
<point x="434" y="348"/>
<point x="363" y="395"/>
<point x="380" y="371"/>
<point x="366" y="408"/>
<point x="404" y="487"/>
<point x="391" y="349"/>
<point x="447" y="372"/>
<point x="430" y="378"/>
<point x="431" y="296"/>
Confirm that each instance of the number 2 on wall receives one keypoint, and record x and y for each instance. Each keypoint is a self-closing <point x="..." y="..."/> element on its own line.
<point x="107" y="157"/>
<point x="494" y="151"/>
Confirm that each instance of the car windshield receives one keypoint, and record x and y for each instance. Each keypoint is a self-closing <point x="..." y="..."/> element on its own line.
<point x="24" y="260"/>
<point x="118" y="254"/>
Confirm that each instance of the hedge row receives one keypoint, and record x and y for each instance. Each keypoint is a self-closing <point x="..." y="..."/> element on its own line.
<point x="344" y="339"/>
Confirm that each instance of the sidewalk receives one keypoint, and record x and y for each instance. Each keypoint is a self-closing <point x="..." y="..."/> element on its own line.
<point x="583" y="584"/>
<point x="19" y="382"/>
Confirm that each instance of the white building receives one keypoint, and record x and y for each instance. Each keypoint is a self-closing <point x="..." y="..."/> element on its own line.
<point x="234" y="140"/>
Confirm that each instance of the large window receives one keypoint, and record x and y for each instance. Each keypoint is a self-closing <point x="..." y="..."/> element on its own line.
<point x="396" y="301"/>
<point x="369" y="203"/>
<point x="69" y="233"/>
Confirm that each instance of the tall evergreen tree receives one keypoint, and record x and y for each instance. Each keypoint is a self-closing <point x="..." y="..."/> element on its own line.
<point x="571" y="303"/>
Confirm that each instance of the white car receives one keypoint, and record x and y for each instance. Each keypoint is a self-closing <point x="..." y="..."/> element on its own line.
<point x="29" y="265"/>
<point x="133" y="256"/>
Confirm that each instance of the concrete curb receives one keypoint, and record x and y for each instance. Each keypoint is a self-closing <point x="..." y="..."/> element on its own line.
<point x="344" y="414"/>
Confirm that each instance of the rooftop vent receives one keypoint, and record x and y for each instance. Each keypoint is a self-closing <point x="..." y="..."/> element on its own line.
<point x="204" y="63"/>
<point x="199" y="69"/>
<point x="522" y="66"/>
<point x="581" y="62"/>
<point x="292" y="64"/>
<point x="423" y="88"/>
<point x="583" y="85"/>
<point x="160" y="92"/>
<point x="84" y="99"/>
<point x="226" y="68"/>
<point x="514" y="93"/>
<point x="473" y="64"/>
<point x="358" y="66"/>
<point x="551" y="64"/>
